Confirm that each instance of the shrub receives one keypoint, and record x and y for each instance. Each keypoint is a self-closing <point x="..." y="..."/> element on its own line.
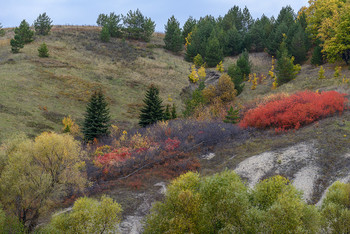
<point x="337" y="72"/>
<point x="221" y="203"/>
<point x="224" y="90"/>
<point x="295" y="111"/>
<point x="335" y="209"/>
<point x="195" y="100"/>
<point x="88" y="216"/>
<point x="43" y="51"/>
<point x="42" y="24"/>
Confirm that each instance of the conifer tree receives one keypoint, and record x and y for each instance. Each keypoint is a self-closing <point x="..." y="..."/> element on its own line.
<point x="213" y="53"/>
<point x="16" y="44"/>
<point x="24" y="32"/>
<point x="188" y="27"/>
<point x="173" y="37"/>
<point x="43" y="51"/>
<point x="153" y="109"/>
<point x="298" y="47"/>
<point x="285" y="68"/>
<point x="2" y="31"/>
<point x="97" y="118"/>
<point x="173" y="112"/>
<point x="317" y="56"/>
<point x="167" y="114"/>
<point x="105" y="35"/>
<point x="232" y="116"/>
<point x="42" y="24"/>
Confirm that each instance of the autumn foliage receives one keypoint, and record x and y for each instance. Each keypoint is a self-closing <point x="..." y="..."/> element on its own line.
<point x="292" y="112"/>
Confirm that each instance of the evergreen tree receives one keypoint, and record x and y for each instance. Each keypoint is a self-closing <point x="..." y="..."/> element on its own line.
<point x="317" y="56"/>
<point x="237" y="77"/>
<point x="42" y="24"/>
<point x="213" y="53"/>
<point x="97" y="118"/>
<point x="43" y="51"/>
<point x="173" y="112"/>
<point x="112" y="23"/>
<point x="173" y="37"/>
<point x="24" y="32"/>
<point x="188" y="27"/>
<point x="232" y="116"/>
<point x="138" y="26"/>
<point x="16" y="44"/>
<point x="285" y="68"/>
<point x="298" y="47"/>
<point x="167" y="114"/>
<point x="244" y="64"/>
<point x="2" y="31"/>
<point x="105" y="35"/>
<point x="153" y="109"/>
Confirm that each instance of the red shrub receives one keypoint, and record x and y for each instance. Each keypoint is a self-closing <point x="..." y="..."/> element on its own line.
<point x="294" y="111"/>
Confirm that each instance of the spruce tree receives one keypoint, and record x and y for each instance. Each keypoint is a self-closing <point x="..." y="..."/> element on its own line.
<point x="42" y="24"/>
<point x="232" y="116"/>
<point x="97" y="118"/>
<point x="24" y="32"/>
<point x="153" y="109"/>
<point x="173" y="37"/>
<point x="173" y="112"/>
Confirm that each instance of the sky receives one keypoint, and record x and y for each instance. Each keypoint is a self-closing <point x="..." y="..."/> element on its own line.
<point x="85" y="12"/>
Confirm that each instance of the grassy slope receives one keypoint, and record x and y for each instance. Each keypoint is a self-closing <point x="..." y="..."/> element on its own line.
<point x="36" y="93"/>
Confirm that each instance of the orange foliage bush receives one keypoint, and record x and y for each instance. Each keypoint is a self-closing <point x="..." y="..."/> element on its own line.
<point x="292" y="112"/>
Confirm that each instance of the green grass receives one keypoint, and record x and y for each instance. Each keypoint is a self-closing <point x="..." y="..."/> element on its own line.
<point x="36" y="93"/>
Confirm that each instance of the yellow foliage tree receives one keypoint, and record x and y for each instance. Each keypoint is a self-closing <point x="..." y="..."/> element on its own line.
<point x="69" y="126"/>
<point x="337" y="72"/>
<point x="38" y="172"/>
<point x="224" y="90"/>
<point x="321" y="73"/>
<point x="220" y="67"/>
<point x="201" y="72"/>
<point x="193" y="76"/>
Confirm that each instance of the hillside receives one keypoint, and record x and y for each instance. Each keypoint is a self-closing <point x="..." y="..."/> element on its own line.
<point x="36" y="93"/>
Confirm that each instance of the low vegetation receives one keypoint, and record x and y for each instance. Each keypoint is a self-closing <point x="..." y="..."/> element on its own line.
<point x="294" y="111"/>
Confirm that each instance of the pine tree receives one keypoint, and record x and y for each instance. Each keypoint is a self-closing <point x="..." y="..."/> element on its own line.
<point x="97" y="118"/>
<point x="43" y="51"/>
<point x="153" y="109"/>
<point x="167" y="114"/>
<point x="2" y="31"/>
<point x="16" y="44"/>
<point x="317" y="56"/>
<point x="105" y="35"/>
<point x="188" y="27"/>
<point x="213" y="53"/>
<point x="173" y="38"/>
<point x="244" y="64"/>
<point x="42" y="24"/>
<point x="232" y="116"/>
<point x="24" y="32"/>
<point x="298" y="47"/>
<point x="285" y="68"/>
<point x="173" y="112"/>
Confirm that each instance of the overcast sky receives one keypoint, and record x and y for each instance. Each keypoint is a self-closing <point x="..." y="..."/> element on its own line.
<point x="85" y="12"/>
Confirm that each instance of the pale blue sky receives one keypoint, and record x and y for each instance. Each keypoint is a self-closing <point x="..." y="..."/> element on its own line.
<point x="85" y="12"/>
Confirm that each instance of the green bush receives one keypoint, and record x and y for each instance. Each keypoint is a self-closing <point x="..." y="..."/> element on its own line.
<point x="221" y="203"/>
<point x="43" y="51"/>
<point x="87" y="216"/>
